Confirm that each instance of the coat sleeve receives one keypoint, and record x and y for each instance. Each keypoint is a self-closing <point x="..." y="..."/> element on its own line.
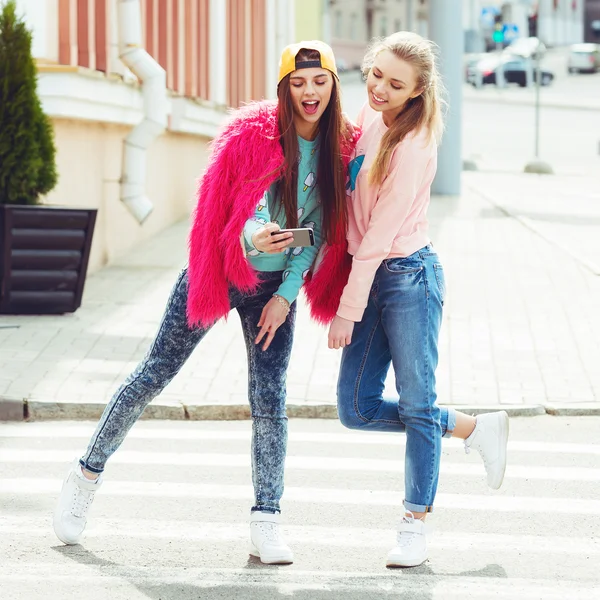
<point x="245" y="159"/>
<point x="208" y="296"/>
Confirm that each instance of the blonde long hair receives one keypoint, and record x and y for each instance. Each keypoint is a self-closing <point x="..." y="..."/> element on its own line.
<point x="423" y="111"/>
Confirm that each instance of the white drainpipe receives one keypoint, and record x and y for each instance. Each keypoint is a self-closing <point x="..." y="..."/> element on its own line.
<point x="154" y="123"/>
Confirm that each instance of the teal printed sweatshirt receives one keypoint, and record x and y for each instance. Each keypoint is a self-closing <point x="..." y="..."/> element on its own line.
<point x="294" y="262"/>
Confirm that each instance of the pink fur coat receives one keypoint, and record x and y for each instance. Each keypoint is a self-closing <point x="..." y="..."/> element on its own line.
<point x="246" y="159"/>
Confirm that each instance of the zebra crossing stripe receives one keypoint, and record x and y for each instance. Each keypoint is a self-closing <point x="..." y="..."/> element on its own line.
<point x="336" y="496"/>
<point x="140" y="431"/>
<point x="351" y="537"/>
<point x="316" y="463"/>
<point x="291" y="581"/>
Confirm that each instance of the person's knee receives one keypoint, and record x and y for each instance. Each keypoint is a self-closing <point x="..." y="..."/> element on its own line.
<point x="351" y="420"/>
<point x="418" y="412"/>
<point x="347" y="412"/>
<point x="268" y="406"/>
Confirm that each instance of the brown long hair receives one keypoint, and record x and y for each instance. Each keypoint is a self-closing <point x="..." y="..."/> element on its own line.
<point x="424" y="111"/>
<point x="331" y="178"/>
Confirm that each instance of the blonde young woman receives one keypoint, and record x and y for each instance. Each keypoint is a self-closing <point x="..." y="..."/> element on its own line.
<point x="390" y="311"/>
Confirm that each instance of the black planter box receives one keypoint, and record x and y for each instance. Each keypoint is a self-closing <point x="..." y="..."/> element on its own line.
<point x="44" y="257"/>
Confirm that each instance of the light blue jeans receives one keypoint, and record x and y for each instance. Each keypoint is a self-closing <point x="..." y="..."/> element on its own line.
<point x="401" y="326"/>
<point x="172" y="346"/>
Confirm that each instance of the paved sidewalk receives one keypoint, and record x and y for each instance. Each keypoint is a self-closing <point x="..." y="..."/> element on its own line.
<point x="521" y="328"/>
<point x="565" y="210"/>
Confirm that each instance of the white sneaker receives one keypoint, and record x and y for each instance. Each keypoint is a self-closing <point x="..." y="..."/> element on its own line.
<point x="76" y="497"/>
<point x="411" y="544"/>
<point x="490" y="438"/>
<point x="266" y="540"/>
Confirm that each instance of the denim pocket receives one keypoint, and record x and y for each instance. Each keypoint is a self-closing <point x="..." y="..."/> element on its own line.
<point x="403" y="266"/>
<point x="440" y="280"/>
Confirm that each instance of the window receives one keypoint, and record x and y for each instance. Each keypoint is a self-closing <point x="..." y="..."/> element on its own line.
<point x="383" y="27"/>
<point x="353" y="26"/>
<point x="338" y="24"/>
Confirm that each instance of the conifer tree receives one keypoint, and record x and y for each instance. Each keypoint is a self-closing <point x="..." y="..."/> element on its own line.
<point x="27" y="151"/>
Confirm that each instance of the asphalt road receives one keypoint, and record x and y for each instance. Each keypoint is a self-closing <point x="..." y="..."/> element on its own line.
<point x="501" y="137"/>
<point x="171" y="520"/>
<point x="499" y="128"/>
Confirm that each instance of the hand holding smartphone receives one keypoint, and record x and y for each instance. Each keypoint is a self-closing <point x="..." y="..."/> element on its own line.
<point x="270" y="239"/>
<point x="302" y="236"/>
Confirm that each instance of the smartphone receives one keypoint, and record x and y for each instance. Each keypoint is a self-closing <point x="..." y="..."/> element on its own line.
<point x="304" y="236"/>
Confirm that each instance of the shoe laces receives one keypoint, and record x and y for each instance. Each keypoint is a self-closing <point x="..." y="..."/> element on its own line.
<point x="269" y="531"/>
<point x="81" y="502"/>
<point x="405" y="538"/>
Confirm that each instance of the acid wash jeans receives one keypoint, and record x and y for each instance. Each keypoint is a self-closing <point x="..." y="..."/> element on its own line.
<point x="400" y="326"/>
<point x="172" y="346"/>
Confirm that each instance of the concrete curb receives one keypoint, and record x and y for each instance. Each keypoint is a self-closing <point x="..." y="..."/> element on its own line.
<point x="12" y="409"/>
<point x="38" y="410"/>
<point x="588" y="409"/>
<point x="513" y="410"/>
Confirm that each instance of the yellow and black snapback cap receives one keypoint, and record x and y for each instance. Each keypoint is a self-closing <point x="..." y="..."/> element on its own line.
<point x="288" y="62"/>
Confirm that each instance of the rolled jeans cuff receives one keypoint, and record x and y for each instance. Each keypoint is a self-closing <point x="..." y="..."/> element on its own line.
<point x="87" y="467"/>
<point x="451" y="424"/>
<point x="417" y="508"/>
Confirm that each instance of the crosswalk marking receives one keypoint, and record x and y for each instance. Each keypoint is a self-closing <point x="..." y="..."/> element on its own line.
<point x="533" y="540"/>
<point x="537" y="504"/>
<point x="343" y="537"/>
<point x="316" y="463"/>
<point x="287" y="581"/>
<point x="351" y="437"/>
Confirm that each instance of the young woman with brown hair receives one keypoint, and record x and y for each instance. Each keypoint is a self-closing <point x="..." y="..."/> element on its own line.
<point x="274" y="166"/>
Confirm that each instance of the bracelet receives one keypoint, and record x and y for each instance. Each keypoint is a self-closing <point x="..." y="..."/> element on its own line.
<point x="283" y="302"/>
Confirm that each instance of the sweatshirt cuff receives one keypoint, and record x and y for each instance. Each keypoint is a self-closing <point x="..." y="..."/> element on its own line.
<point x="288" y="291"/>
<point x="350" y="313"/>
<point x="250" y="228"/>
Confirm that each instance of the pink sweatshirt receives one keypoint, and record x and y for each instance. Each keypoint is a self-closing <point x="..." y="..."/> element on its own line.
<point x="389" y="220"/>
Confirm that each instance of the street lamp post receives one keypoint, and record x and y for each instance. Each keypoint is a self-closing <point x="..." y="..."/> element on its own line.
<point x="445" y="26"/>
<point x="537" y="165"/>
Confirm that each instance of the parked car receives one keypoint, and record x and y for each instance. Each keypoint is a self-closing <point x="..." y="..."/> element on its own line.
<point x="584" y="58"/>
<point x="514" y="67"/>
<point x="528" y="47"/>
<point x="470" y="60"/>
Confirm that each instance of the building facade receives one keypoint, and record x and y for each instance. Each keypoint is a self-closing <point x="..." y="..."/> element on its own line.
<point x="591" y="21"/>
<point x="216" y="54"/>
<point x="560" y="22"/>
<point x="310" y="20"/>
<point x="352" y="23"/>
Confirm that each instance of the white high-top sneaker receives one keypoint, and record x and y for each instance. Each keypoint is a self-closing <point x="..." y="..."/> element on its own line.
<point x="266" y="540"/>
<point x="490" y="438"/>
<point x="76" y="497"/>
<point x="411" y="543"/>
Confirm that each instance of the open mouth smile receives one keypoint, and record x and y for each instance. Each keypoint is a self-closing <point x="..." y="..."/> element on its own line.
<point x="377" y="99"/>
<point x="311" y="106"/>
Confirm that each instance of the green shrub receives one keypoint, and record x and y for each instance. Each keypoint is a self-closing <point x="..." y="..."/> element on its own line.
<point x="27" y="152"/>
